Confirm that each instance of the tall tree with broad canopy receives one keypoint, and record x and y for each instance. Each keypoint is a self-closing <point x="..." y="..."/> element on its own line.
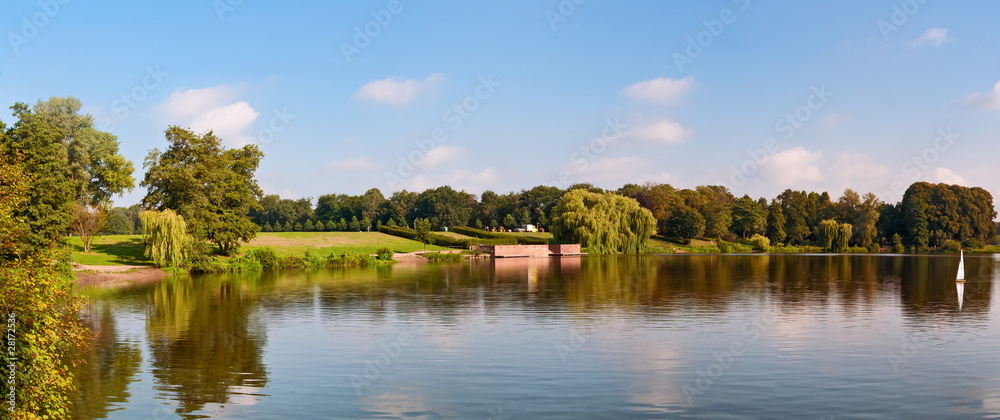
<point x="69" y="162"/>
<point x="212" y="187"/>
<point x="605" y="223"/>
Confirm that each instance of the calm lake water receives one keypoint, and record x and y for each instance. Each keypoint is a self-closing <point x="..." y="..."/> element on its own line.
<point x="723" y="336"/>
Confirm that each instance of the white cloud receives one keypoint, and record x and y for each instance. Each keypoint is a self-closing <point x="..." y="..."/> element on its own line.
<point x="191" y="102"/>
<point x="988" y="100"/>
<point x="227" y="121"/>
<point x="933" y="36"/>
<point x="945" y="175"/>
<point x="459" y="179"/>
<point x="663" y="131"/>
<point x="439" y="156"/>
<point x="214" y="108"/>
<point x="792" y="167"/>
<point x="393" y="91"/>
<point x="360" y="163"/>
<point x="661" y="90"/>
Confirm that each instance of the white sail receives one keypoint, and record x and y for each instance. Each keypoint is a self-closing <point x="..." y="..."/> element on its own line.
<point x="961" y="267"/>
<point x="960" y="288"/>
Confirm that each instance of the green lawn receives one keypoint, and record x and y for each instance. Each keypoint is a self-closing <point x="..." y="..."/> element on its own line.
<point x="296" y="243"/>
<point x="128" y="249"/>
<point x="543" y="235"/>
<point x="110" y="250"/>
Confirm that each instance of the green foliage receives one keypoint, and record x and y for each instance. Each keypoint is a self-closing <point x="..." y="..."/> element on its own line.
<point x="390" y="223"/>
<point x="685" y="223"/>
<point x="834" y="236"/>
<point x="297" y="227"/>
<point x="444" y="207"/>
<point x="309" y="226"/>
<point x="934" y="213"/>
<point x="509" y="222"/>
<point x="267" y="258"/>
<point x="366" y="225"/>
<point x="423" y="231"/>
<point x="212" y="187"/>
<point x="384" y="254"/>
<point x="119" y="222"/>
<point x="355" y="225"/>
<point x="266" y="228"/>
<point x="776" y="223"/>
<point x="439" y="257"/>
<point x="166" y="238"/>
<point x="897" y="244"/>
<point x="319" y="227"/>
<point x="710" y="249"/>
<point x="760" y="242"/>
<point x="972" y="243"/>
<point x="43" y="332"/>
<point x="951" y="246"/>
<point x="749" y="217"/>
<point x="603" y="223"/>
<point x="729" y="247"/>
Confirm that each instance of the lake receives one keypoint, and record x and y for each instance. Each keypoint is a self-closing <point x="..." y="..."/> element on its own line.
<point x="672" y="336"/>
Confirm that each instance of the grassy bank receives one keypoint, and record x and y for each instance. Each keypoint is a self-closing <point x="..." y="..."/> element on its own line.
<point x="128" y="249"/>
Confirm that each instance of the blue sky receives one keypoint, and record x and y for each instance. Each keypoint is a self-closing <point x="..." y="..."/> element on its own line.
<point x="509" y="95"/>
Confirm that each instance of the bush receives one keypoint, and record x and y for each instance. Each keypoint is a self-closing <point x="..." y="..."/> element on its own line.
<point x="729" y="248"/>
<point x="972" y="243"/>
<point x="760" y="242"/>
<point x="384" y="254"/>
<point x="856" y="250"/>
<point x="705" y="249"/>
<point x="266" y="257"/>
<point x="438" y="257"/>
<point x="874" y="248"/>
<point x="786" y="249"/>
<point x="951" y="245"/>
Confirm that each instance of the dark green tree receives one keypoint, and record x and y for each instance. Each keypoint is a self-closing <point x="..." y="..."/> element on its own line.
<point x="423" y="231"/>
<point x="509" y="222"/>
<point x="212" y="187"/>
<point x="685" y="223"/>
<point x="775" y="223"/>
<point x="749" y="217"/>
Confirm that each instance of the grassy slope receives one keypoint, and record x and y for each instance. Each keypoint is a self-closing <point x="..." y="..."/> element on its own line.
<point x="110" y="250"/>
<point x="128" y="249"/>
<point x="296" y="243"/>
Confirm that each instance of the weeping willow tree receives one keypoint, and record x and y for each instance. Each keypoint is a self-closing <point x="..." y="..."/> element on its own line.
<point x="834" y="236"/>
<point x="166" y="237"/>
<point x="604" y="223"/>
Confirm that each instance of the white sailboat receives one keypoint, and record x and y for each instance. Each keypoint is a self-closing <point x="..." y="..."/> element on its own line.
<point x="960" y="288"/>
<point x="960" y="276"/>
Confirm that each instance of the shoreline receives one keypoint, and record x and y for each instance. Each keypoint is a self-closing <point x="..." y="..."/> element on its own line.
<point x="117" y="275"/>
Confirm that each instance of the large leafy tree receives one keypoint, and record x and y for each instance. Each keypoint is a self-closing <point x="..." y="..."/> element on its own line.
<point x="776" y="223"/>
<point x="685" y="223"/>
<point x="70" y="163"/>
<point x="445" y="207"/>
<point x="605" y="223"/>
<point x="212" y="187"/>
<point x="749" y="217"/>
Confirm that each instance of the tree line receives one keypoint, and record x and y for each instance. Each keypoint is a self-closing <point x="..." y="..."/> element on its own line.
<point x="927" y="217"/>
